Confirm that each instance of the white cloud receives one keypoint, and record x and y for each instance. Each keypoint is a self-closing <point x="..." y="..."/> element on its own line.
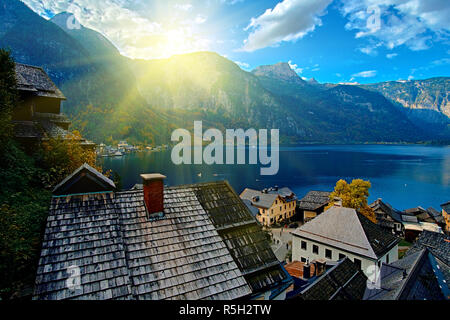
<point x="364" y="74"/>
<point x="413" y="23"/>
<point x="295" y="67"/>
<point x="391" y="55"/>
<point x="243" y="65"/>
<point x="289" y="20"/>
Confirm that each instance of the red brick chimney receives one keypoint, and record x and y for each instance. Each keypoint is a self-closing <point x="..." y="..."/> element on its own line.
<point x="154" y="192"/>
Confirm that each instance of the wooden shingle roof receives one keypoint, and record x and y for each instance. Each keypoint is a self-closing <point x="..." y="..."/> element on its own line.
<point x="314" y="200"/>
<point x="35" y="79"/>
<point x="207" y="246"/>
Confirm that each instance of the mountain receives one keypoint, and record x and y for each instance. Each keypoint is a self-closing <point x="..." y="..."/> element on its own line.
<point x="425" y="102"/>
<point x="102" y="97"/>
<point x="111" y="97"/>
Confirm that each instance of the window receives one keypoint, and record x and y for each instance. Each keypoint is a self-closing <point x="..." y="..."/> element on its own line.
<point x="387" y="259"/>
<point x="358" y="263"/>
<point x="328" y="254"/>
<point x="303" y="260"/>
<point x="315" y="249"/>
<point x="304" y="246"/>
<point x="342" y="256"/>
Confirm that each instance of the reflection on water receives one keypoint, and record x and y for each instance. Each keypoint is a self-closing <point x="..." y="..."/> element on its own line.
<point x="405" y="176"/>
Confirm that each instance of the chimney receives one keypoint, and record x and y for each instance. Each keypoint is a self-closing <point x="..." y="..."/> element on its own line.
<point x="306" y="271"/>
<point x="337" y="202"/>
<point x="321" y="267"/>
<point x="154" y="193"/>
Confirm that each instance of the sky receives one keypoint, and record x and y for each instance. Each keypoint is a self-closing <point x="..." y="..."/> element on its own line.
<point x="338" y="41"/>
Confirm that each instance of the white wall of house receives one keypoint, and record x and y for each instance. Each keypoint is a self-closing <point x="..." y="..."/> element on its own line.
<point x="366" y="264"/>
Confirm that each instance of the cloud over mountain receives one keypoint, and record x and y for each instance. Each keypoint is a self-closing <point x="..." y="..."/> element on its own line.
<point x="289" y="20"/>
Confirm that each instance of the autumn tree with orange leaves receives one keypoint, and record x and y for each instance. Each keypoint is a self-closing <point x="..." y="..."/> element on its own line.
<point x="354" y="195"/>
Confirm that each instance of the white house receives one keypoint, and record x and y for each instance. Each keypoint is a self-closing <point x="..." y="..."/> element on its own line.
<point x="342" y="232"/>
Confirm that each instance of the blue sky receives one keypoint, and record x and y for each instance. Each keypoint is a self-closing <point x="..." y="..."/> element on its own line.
<point x="331" y="40"/>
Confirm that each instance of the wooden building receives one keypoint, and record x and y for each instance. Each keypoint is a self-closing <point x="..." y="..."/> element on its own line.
<point x="313" y="204"/>
<point x="38" y="115"/>
<point x="388" y="217"/>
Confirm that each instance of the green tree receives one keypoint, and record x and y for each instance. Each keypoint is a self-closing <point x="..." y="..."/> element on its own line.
<point x="354" y="195"/>
<point x="8" y="95"/>
<point x="60" y="157"/>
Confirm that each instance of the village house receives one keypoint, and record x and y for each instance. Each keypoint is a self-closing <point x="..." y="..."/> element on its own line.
<point x="446" y="215"/>
<point x="154" y="242"/>
<point x="275" y="205"/>
<point x="423" y="274"/>
<point x="414" y="227"/>
<point x="38" y="115"/>
<point x="388" y="217"/>
<point x="313" y="204"/>
<point x="342" y="232"/>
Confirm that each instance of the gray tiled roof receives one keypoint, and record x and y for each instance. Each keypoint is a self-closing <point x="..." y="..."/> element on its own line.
<point x="314" y="200"/>
<point x="258" y="198"/>
<point x="348" y="230"/>
<point x="207" y="246"/>
<point x="35" y="79"/>
<point x="437" y="243"/>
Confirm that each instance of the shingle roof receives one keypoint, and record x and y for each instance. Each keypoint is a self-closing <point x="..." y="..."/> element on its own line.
<point x="207" y="246"/>
<point x="387" y="209"/>
<point x="314" y="200"/>
<point x="35" y="79"/>
<point x="436" y="215"/>
<point x="83" y="232"/>
<point x="437" y="243"/>
<point x="348" y="230"/>
<point x="345" y="281"/>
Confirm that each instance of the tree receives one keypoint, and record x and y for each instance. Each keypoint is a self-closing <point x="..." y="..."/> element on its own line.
<point x="354" y="195"/>
<point x="8" y="94"/>
<point x="62" y="156"/>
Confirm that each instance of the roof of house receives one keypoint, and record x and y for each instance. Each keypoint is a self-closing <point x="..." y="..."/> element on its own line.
<point x="437" y="243"/>
<point x="436" y="215"/>
<point x="421" y="214"/>
<point x="415" y="277"/>
<point x="259" y="199"/>
<point x="35" y="79"/>
<point x="345" y="281"/>
<point x="387" y="209"/>
<point x="254" y="210"/>
<point x="314" y="200"/>
<point x="348" y="230"/>
<point x="446" y="207"/>
<point x="207" y="246"/>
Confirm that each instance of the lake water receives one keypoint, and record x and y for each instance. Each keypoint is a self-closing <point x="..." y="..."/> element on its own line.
<point x="404" y="176"/>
